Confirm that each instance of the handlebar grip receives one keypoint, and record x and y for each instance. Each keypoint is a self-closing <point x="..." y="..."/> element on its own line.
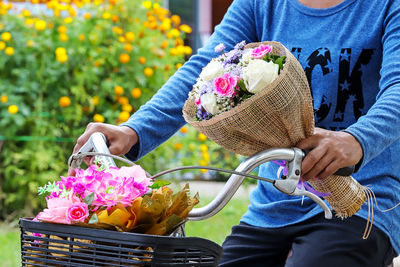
<point x="345" y="171"/>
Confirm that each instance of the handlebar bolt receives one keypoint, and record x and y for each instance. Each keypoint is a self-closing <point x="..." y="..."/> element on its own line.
<point x="283" y="177"/>
<point x="297" y="172"/>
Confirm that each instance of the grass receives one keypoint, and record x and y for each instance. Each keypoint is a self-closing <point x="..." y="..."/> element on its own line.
<point x="215" y="228"/>
<point x="9" y="246"/>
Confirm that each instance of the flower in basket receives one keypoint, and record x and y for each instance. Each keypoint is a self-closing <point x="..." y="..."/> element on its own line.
<point x="233" y="77"/>
<point x="122" y="199"/>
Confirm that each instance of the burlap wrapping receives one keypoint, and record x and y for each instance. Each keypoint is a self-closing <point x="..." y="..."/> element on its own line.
<point x="281" y="115"/>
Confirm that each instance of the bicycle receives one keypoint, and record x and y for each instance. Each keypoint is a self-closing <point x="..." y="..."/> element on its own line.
<point x="47" y="244"/>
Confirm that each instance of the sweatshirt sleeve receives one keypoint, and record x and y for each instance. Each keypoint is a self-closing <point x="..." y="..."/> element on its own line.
<point x="380" y="127"/>
<point x="161" y="117"/>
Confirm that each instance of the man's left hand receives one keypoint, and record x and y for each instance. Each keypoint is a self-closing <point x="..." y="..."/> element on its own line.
<point x="329" y="151"/>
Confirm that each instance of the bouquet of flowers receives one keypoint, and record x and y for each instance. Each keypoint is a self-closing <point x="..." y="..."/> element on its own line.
<point x="234" y="77"/>
<point x="257" y="97"/>
<point x="122" y="199"/>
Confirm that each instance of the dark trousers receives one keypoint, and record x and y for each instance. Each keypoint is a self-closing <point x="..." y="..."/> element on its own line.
<point x="313" y="243"/>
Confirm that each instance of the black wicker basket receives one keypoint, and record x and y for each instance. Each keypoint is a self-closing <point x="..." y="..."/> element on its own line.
<point x="48" y="244"/>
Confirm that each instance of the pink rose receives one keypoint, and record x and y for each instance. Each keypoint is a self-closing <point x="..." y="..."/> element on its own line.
<point x="57" y="209"/>
<point x="78" y="212"/>
<point x="261" y="51"/>
<point x="225" y="85"/>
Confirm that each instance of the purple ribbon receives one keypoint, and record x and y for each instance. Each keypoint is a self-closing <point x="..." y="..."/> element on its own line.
<point x="301" y="185"/>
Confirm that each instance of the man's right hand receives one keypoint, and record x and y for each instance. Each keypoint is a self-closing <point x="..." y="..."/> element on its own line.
<point x="120" y="138"/>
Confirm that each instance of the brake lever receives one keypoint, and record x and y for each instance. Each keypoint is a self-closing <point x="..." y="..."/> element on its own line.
<point x="289" y="185"/>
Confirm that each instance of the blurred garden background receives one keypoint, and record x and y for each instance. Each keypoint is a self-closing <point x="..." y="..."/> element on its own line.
<point x="66" y="63"/>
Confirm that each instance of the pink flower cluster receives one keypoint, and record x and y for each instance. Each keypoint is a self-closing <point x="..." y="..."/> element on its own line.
<point x="261" y="51"/>
<point x="68" y="201"/>
<point x="225" y="85"/>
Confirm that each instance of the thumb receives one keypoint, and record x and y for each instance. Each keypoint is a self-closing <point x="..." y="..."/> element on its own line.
<point x="308" y="143"/>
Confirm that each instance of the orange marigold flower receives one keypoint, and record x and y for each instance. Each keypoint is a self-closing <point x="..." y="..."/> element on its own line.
<point x="62" y="58"/>
<point x="3" y="99"/>
<point x="128" y="47"/>
<point x="123" y="100"/>
<point x="178" y="65"/>
<point x="121" y="39"/>
<point x="2" y="45"/>
<point x="115" y="18"/>
<point x="178" y="146"/>
<point x="184" y="129"/>
<point x="124" y="58"/>
<point x="9" y="51"/>
<point x="123" y="116"/>
<point x="127" y="108"/>
<point x="185" y="28"/>
<point x="106" y="15"/>
<point x="136" y="93"/>
<point x="87" y="16"/>
<point x="12" y="109"/>
<point x="188" y="50"/>
<point x="82" y="37"/>
<point x="68" y="20"/>
<point x="142" y="60"/>
<point x="63" y="37"/>
<point x="130" y="36"/>
<point x="118" y="90"/>
<point x="98" y="118"/>
<point x="62" y="29"/>
<point x="26" y="13"/>
<point x="148" y="72"/>
<point x="202" y="137"/>
<point x="6" y="36"/>
<point x="164" y="44"/>
<point x="60" y="51"/>
<point x="30" y="43"/>
<point x="95" y="100"/>
<point x="64" y="101"/>
<point x="203" y="148"/>
<point x="176" y="19"/>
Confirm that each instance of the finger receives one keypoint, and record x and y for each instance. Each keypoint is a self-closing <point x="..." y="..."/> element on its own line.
<point x="84" y="137"/>
<point x="313" y="157"/>
<point x="309" y="143"/>
<point x="330" y="169"/>
<point x="319" y="167"/>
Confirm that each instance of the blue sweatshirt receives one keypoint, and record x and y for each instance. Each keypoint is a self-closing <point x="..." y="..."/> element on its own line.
<point x="351" y="57"/>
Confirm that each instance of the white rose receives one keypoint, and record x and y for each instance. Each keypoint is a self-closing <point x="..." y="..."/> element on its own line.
<point x="258" y="74"/>
<point x="213" y="70"/>
<point x="247" y="55"/>
<point x="209" y="103"/>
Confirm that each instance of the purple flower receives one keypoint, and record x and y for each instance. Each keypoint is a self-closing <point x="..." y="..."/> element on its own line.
<point x="219" y="48"/>
<point x="240" y="46"/>
<point x="232" y="57"/>
<point x="235" y="70"/>
<point x="207" y="87"/>
<point x="202" y="114"/>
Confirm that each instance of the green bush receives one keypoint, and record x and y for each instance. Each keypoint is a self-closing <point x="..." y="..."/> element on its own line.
<point x="65" y="64"/>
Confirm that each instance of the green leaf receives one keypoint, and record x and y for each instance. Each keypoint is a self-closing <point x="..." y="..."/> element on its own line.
<point x="242" y="85"/>
<point x="89" y="199"/>
<point x="94" y="219"/>
<point x="280" y="61"/>
<point x="158" y="184"/>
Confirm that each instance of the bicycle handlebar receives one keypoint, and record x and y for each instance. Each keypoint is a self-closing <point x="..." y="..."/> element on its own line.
<point x="293" y="156"/>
